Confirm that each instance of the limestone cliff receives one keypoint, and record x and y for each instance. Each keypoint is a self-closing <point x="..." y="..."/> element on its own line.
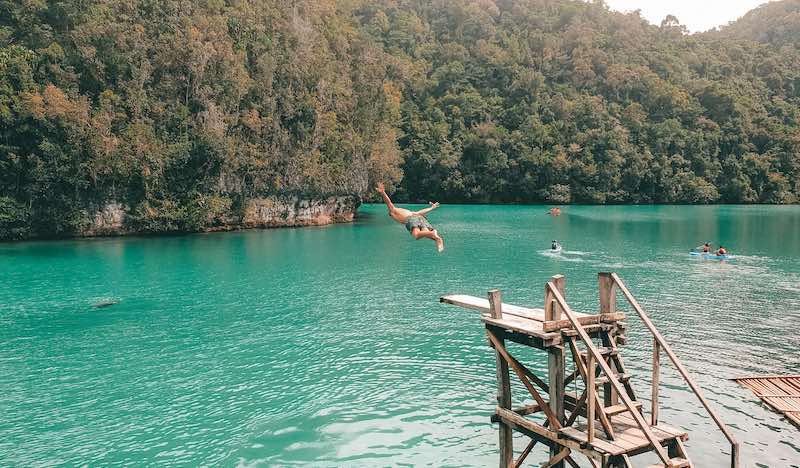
<point x="267" y="212"/>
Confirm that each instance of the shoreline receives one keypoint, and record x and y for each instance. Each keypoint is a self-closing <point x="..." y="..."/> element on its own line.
<point x="274" y="212"/>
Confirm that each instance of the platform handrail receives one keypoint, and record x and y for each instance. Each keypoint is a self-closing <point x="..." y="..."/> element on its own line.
<point x="637" y="417"/>
<point x="662" y="343"/>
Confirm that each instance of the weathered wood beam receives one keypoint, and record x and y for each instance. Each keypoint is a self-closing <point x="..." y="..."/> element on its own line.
<point x="506" y="436"/>
<point x="525" y="453"/>
<point x="524" y="379"/>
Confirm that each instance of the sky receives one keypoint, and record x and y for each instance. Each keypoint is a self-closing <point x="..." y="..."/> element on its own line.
<point x="696" y="15"/>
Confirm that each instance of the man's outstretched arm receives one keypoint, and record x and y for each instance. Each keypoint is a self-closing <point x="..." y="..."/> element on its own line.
<point x="382" y="190"/>
<point x="429" y="209"/>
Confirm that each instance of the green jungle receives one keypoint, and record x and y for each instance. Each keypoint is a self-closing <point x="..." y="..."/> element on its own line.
<point x="185" y="110"/>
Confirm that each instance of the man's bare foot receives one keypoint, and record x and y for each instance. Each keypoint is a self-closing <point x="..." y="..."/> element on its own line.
<point x="439" y="241"/>
<point x="380" y="188"/>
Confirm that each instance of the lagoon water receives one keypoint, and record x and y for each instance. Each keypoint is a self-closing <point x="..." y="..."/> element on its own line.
<point x="328" y="347"/>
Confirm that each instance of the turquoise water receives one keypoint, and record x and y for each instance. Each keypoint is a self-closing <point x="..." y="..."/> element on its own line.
<point x="328" y="347"/>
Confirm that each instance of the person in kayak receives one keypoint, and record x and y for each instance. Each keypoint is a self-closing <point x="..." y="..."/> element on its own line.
<point x="554" y="245"/>
<point x="415" y="221"/>
<point x="706" y="248"/>
<point x="721" y="251"/>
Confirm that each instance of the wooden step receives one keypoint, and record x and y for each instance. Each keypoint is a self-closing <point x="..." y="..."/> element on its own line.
<point x="604" y="379"/>
<point x="629" y="439"/>
<point x="621" y="408"/>
<point x="674" y="463"/>
<point x="603" y="352"/>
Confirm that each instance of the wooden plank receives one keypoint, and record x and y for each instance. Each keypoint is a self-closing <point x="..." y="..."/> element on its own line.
<point x="551" y="418"/>
<point x="584" y="320"/>
<point x="655" y="383"/>
<point x="506" y="435"/>
<point x="629" y="438"/>
<point x="557" y="459"/>
<point x="533" y="429"/>
<point x="482" y="305"/>
<point x="601" y="445"/>
<point x="665" y="431"/>
<point x="525" y="453"/>
<point x="495" y="304"/>
<point x="555" y="375"/>
<point x="537" y="315"/>
<point x="767" y="377"/>
<point x="618" y="409"/>
<point x="779" y="392"/>
<point x="608" y="296"/>
<point x="552" y="311"/>
<point x="516" y="324"/>
<point x="590" y="400"/>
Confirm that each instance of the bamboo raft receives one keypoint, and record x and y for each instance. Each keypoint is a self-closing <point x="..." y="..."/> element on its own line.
<point x="780" y="392"/>
<point x="604" y="421"/>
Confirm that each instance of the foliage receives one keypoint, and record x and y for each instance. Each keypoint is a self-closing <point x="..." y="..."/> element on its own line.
<point x="14" y="219"/>
<point x="183" y="111"/>
<point x="773" y="22"/>
<point x="566" y="101"/>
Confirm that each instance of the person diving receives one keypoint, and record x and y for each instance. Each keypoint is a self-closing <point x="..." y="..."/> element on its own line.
<point x="415" y="221"/>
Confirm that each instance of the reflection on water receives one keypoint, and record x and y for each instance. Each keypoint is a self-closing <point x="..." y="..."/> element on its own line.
<point x="327" y="346"/>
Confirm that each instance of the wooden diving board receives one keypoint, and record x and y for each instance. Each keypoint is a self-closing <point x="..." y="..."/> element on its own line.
<point x="524" y="319"/>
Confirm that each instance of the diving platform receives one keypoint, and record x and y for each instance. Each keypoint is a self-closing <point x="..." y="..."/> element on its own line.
<point x="602" y="419"/>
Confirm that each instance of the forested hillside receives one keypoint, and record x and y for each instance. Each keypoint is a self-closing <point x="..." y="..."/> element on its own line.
<point x="183" y="111"/>
<point x="773" y="22"/>
<point x="523" y="100"/>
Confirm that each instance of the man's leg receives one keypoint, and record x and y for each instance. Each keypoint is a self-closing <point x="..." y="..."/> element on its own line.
<point x="428" y="234"/>
<point x="423" y="234"/>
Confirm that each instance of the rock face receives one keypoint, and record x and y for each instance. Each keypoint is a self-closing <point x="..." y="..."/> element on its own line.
<point x="267" y="212"/>
<point x="108" y="220"/>
<point x="294" y="211"/>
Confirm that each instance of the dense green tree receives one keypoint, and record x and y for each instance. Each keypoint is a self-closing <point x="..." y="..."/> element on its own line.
<point x="183" y="111"/>
<point x="567" y="101"/>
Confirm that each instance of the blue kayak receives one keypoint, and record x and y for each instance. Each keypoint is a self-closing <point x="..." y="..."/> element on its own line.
<point x="710" y="256"/>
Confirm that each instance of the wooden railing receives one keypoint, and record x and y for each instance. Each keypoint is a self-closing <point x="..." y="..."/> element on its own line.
<point x="594" y="355"/>
<point x="610" y="280"/>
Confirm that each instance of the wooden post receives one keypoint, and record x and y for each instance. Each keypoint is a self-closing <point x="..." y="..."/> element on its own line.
<point x="590" y="397"/>
<point x="656" y="378"/>
<point x="552" y="310"/>
<point x="608" y="305"/>
<point x="608" y="296"/>
<point x="555" y="370"/>
<point x="503" y="387"/>
<point x="555" y="360"/>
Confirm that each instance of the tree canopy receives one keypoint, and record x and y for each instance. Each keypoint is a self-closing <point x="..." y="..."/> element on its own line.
<point x="182" y="110"/>
<point x="564" y="101"/>
<point x="185" y="110"/>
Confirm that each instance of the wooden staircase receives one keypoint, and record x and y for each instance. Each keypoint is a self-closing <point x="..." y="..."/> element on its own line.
<point x="613" y="428"/>
<point x="604" y="421"/>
